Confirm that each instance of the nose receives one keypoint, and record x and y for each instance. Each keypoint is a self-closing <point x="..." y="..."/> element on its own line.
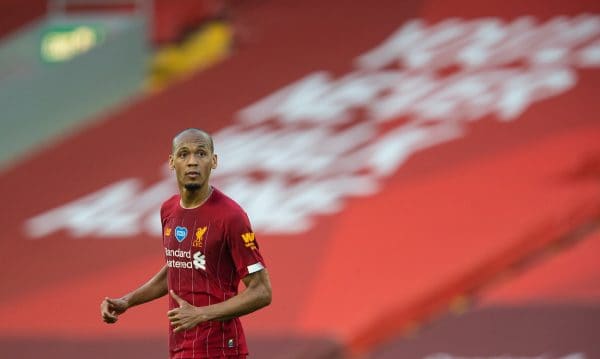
<point x="192" y="160"/>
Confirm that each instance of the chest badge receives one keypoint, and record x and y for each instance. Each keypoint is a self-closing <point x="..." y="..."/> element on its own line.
<point x="180" y="233"/>
<point x="199" y="236"/>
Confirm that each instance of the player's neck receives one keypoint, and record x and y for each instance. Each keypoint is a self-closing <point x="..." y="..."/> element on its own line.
<point x="194" y="198"/>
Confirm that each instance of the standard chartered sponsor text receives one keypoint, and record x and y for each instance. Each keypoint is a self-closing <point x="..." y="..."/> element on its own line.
<point x="178" y="253"/>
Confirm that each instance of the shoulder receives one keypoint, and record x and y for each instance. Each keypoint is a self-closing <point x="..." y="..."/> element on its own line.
<point x="229" y="208"/>
<point x="169" y="205"/>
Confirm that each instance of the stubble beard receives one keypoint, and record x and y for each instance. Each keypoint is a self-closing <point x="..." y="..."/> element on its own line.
<point x="192" y="187"/>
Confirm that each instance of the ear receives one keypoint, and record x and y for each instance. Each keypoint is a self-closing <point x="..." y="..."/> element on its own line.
<point x="214" y="161"/>
<point x="171" y="164"/>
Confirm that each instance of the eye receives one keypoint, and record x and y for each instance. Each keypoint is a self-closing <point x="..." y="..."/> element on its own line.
<point x="182" y="154"/>
<point x="201" y="153"/>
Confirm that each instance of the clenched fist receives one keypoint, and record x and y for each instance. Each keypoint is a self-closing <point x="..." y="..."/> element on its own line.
<point x="111" y="308"/>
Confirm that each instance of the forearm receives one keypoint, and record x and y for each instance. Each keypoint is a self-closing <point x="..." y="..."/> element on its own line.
<point x="155" y="288"/>
<point x="256" y="295"/>
<point x="244" y="303"/>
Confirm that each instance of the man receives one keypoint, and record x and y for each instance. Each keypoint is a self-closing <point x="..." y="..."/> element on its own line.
<point x="209" y="247"/>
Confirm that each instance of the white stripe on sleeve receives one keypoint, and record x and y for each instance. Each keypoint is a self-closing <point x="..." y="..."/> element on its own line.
<point x="256" y="267"/>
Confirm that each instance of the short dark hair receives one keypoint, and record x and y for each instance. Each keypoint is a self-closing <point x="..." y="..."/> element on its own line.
<point x="197" y="130"/>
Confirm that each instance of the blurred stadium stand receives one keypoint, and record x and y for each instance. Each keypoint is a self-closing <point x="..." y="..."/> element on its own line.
<point x="17" y="13"/>
<point x="66" y="69"/>
<point x="170" y="20"/>
<point x="73" y="59"/>
<point x="423" y="176"/>
<point x="550" y="308"/>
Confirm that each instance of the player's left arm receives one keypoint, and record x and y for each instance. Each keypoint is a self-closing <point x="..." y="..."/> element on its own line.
<point x="257" y="295"/>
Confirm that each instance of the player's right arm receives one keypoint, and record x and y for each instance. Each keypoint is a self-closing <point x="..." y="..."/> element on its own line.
<point x="156" y="287"/>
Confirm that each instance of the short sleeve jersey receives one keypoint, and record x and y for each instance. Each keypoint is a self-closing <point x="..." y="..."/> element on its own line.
<point x="208" y="250"/>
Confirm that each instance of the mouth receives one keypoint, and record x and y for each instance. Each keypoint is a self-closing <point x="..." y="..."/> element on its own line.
<point x="192" y="174"/>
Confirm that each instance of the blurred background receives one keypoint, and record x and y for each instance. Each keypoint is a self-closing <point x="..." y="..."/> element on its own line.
<point x="423" y="175"/>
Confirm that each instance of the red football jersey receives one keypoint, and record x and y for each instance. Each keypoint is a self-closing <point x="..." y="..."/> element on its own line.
<point x="208" y="250"/>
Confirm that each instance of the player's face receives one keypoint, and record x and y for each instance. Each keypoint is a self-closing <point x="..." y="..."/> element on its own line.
<point x="192" y="160"/>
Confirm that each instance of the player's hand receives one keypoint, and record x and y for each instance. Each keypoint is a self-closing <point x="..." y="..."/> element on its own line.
<point x="111" y="308"/>
<point x="185" y="317"/>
